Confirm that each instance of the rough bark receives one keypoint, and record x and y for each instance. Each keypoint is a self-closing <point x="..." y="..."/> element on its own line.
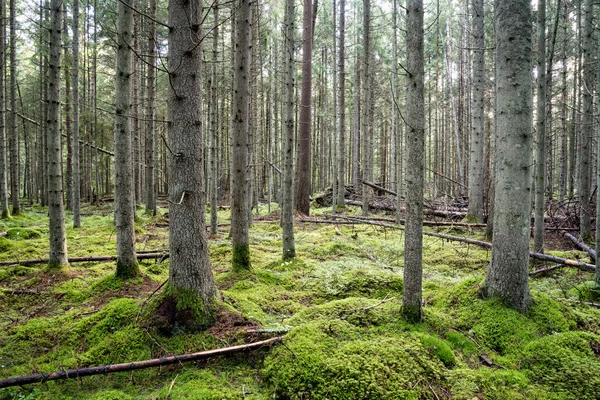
<point x="13" y="138"/>
<point x="584" y="181"/>
<point x="507" y="274"/>
<point x="124" y="192"/>
<point x="57" y="232"/>
<point x="540" y="134"/>
<point x="214" y="123"/>
<point x="302" y="202"/>
<point x="190" y="274"/>
<point x="341" y="153"/>
<point x="477" y="120"/>
<point x="415" y="138"/>
<point x="151" y="92"/>
<point x="4" y="210"/>
<point x="563" y="116"/>
<point x="240" y="189"/>
<point x="287" y="216"/>
<point x="366" y="129"/>
<point x="75" y="123"/>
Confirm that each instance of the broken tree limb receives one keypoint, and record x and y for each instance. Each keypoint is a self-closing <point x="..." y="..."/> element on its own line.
<point x="381" y="189"/>
<point x="580" y="244"/>
<point x="427" y="223"/>
<point x="538" y="256"/>
<point x="543" y="270"/>
<point x="130" y="366"/>
<point x="434" y="212"/>
<point x="81" y="259"/>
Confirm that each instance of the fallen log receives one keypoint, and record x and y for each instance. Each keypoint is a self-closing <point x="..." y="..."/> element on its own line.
<point x="381" y="189"/>
<point x="580" y="244"/>
<point x="427" y="223"/>
<point x="130" y="366"/>
<point x="543" y="270"/>
<point x="433" y="212"/>
<point x="538" y="256"/>
<point x="82" y="259"/>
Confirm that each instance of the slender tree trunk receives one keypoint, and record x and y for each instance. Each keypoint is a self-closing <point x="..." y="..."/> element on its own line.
<point x="563" y="116"/>
<point x="341" y="159"/>
<point x="190" y="274"/>
<point x="356" y="170"/>
<point x="150" y="114"/>
<point x="287" y="216"/>
<point x="540" y="148"/>
<point x="13" y="138"/>
<point x="240" y="192"/>
<point x="335" y="139"/>
<point x="597" y="244"/>
<point x="214" y="123"/>
<point x="415" y="120"/>
<point x="4" y="210"/>
<point x="124" y="202"/>
<point x="302" y="202"/>
<point x="76" y="154"/>
<point x="68" y="121"/>
<point x="366" y="129"/>
<point x="507" y="275"/>
<point x="584" y="182"/>
<point x="57" y="231"/>
<point x="477" y="112"/>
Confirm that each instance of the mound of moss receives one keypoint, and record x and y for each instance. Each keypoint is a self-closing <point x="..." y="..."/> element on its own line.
<point x="22" y="234"/>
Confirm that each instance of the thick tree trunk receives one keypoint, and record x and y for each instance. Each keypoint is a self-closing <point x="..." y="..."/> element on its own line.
<point x="507" y="274"/>
<point x="584" y="182"/>
<point x="57" y="231"/>
<point x="151" y="92"/>
<point x="190" y="274"/>
<point x="287" y="216"/>
<point x="415" y="120"/>
<point x="302" y="202"/>
<point x="477" y="111"/>
<point x="4" y="210"/>
<point x="540" y="146"/>
<point x="124" y="191"/>
<point x="240" y="189"/>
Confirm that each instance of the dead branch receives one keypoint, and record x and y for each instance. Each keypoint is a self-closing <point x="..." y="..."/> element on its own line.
<point x="130" y="366"/>
<point x="580" y="244"/>
<point x="427" y="223"/>
<point x="72" y="260"/>
<point x="543" y="270"/>
<point x="376" y="187"/>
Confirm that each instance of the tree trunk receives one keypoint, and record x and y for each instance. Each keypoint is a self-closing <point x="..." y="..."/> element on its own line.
<point x="150" y="113"/>
<point x="366" y="128"/>
<point x="4" y="210"/>
<point x="57" y="232"/>
<point x="507" y="275"/>
<point x="124" y="192"/>
<point x="214" y="127"/>
<point x="287" y="216"/>
<point x="75" y="125"/>
<point x="190" y="274"/>
<point x="563" y="114"/>
<point x="302" y="202"/>
<point x="477" y="110"/>
<point x="13" y="138"/>
<point x="540" y="147"/>
<point x="240" y="193"/>
<point x="341" y="156"/>
<point x="415" y="120"/>
<point x="584" y="182"/>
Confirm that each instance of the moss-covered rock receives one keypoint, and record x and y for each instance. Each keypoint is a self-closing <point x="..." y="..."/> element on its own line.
<point x="22" y="234"/>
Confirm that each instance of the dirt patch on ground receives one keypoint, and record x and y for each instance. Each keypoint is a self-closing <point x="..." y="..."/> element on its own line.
<point x="230" y="325"/>
<point x="554" y="240"/>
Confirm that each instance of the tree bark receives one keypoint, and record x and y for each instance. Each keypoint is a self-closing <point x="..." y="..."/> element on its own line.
<point x="13" y="138"/>
<point x="584" y="164"/>
<point x="507" y="274"/>
<point x="287" y="216"/>
<point x="214" y="123"/>
<point x="302" y="202"/>
<point x="124" y="192"/>
<point x="540" y="146"/>
<point x="75" y="123"/>
<point x="57" y="231"/>
<point x="4" y="210"/>
<point x="477" y="122"/>
<point x="150" y="112"/>
<point x="366" y="128"/>
<point x="341" y="156"/>
<point x="190" y="274"/>
<point x="240" y="189"/>
<point x="415" y="120"/>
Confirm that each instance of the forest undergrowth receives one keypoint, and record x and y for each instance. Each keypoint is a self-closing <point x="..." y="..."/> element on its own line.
<point x="337" y="304"/>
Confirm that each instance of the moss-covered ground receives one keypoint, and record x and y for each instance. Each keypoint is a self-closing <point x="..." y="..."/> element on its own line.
<point x="339" y="303"/>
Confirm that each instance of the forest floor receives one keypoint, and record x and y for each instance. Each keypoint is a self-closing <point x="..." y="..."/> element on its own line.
<point x="339" y="303"/>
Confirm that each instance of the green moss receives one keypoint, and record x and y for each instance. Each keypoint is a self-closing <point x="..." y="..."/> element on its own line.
<point x="566" y="362"/>
<point x="492" y="384"/>
<point x="127" y="271"/>
<point x="459" y="341"/>
<point x="329" y="360"/>
<point x="22" y="234"/>
<point x="241" y="258"/>
<point x="438" y="347"/>
<point x="5" y="245"/>
<point x="111" y="394"/>
<point x="192" y="310"/>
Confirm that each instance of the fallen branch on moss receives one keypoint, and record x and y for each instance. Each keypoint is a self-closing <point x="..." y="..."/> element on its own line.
<point x="387" y="207"/>
<point x="145" y="256"/>
<point x="538" y="256"/>
<point x="107" y="369"/>
<point x="402" y="222"/>
<point x="580" y="244"/>
<point x="543" y="270"/>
